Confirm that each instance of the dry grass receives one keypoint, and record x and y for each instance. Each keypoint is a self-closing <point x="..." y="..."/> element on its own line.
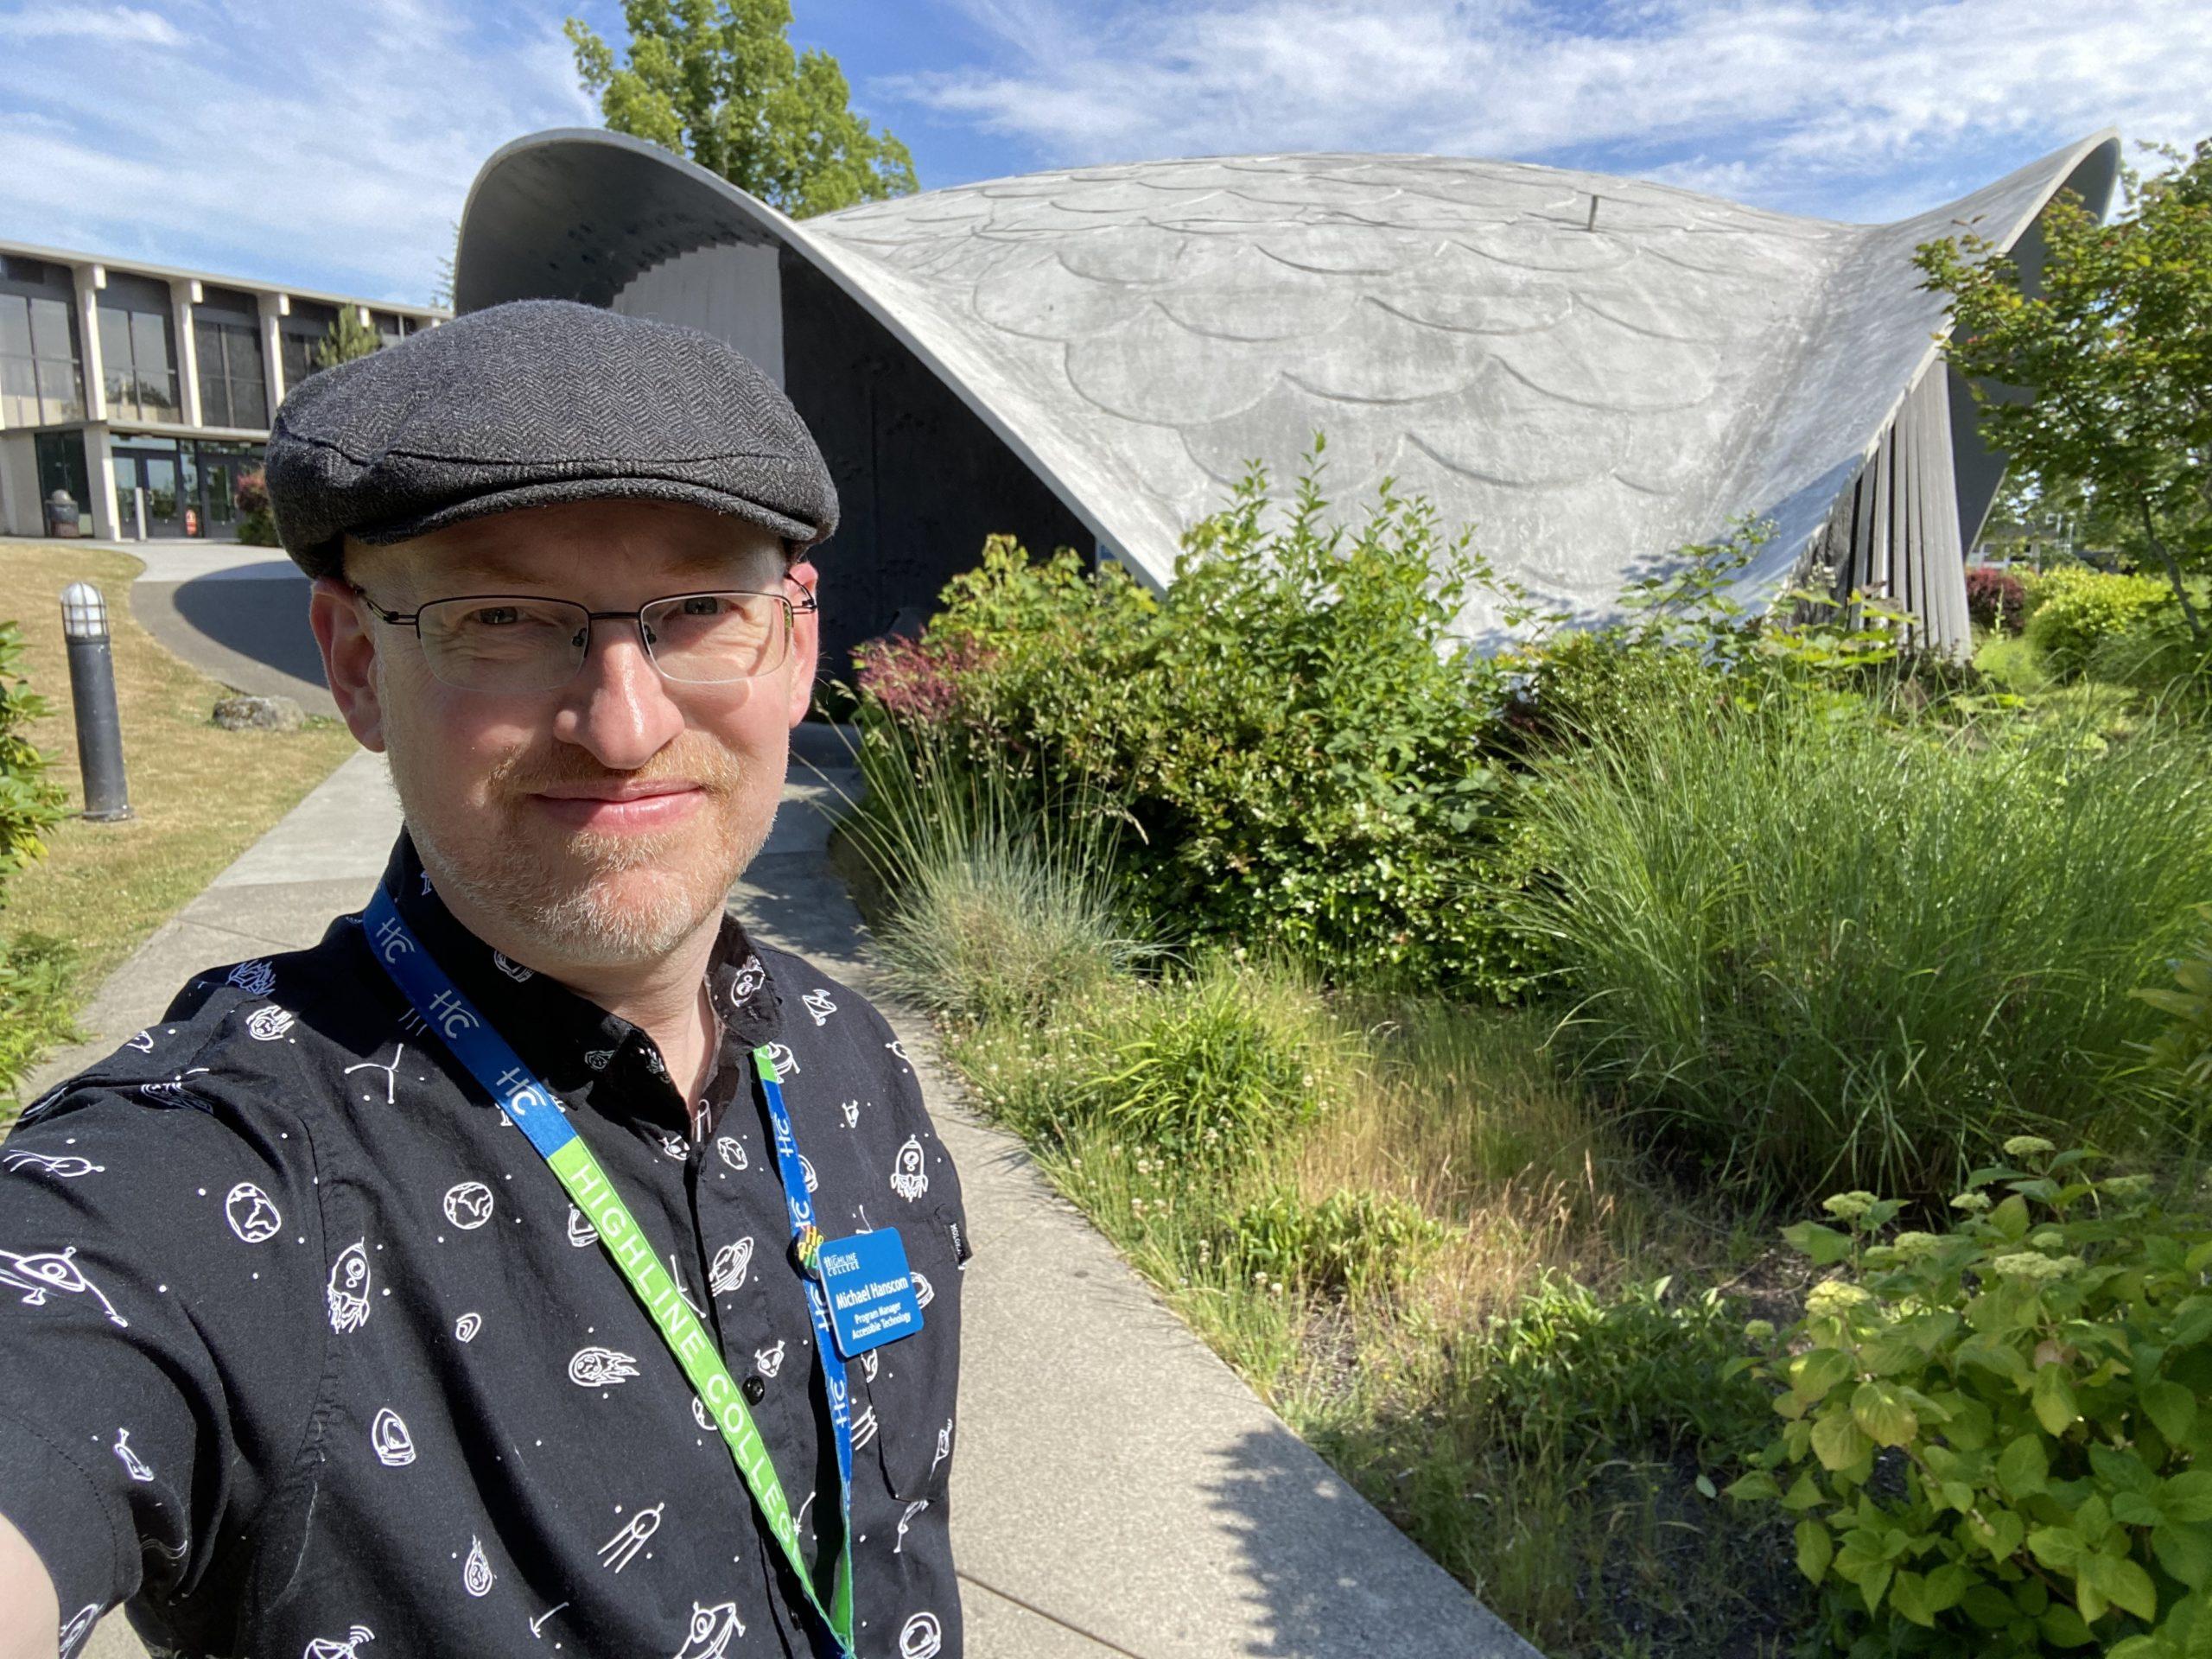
<point x="202" y="794"/>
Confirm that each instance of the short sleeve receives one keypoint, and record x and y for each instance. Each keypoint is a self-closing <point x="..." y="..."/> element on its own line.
<point x="158" y="1319"/>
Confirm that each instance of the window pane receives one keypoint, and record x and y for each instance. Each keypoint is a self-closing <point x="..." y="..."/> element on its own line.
<point x="157" y="395"/>
<point x="15" y="325"/>
<point x="18" y="392"/>
<point x="214" y="396"/>
<point x="249" y="402"/>
<point x="115" y="342"/>
<point x="149" y="341"/>
<point x="50" y="329"/>
<point x="63" y="394"/>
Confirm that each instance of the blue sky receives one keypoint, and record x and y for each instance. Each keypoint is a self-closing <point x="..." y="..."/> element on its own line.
<point x="332" y="146"/>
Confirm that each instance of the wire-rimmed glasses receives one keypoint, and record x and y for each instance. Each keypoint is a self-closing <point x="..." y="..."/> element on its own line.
<point x="529" y="642"/>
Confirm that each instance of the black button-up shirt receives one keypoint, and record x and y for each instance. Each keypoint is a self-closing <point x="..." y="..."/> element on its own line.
<point x="303" y="1349"/>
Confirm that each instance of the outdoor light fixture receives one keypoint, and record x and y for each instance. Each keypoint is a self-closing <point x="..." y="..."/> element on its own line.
<point x="91" y="693"/>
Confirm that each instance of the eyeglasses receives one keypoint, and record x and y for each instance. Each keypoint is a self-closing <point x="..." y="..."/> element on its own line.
<point x="526" y="642"/>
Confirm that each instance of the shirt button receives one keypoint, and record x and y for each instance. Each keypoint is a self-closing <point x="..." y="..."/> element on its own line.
<point x="753" y="1387"/>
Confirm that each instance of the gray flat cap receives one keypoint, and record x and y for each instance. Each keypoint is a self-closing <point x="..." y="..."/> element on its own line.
<point x="529" y="402"/>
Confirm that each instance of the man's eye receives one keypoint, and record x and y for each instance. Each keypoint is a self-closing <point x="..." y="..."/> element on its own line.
<point x="702" y="605"/>
<point x="494" y="615"/>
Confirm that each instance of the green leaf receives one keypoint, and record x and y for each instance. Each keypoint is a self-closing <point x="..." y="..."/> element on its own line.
<point x="1812" y="1374"/>
<point x="2058" y="1548"/>
<point x="1885" y="1418"/>
<point x="2009" y="1219"/>
<point x="1757" y="1484"/>
<point x="1815" y="1549"/>
<point x="1803" y="1494"/>
<point x="2064" y="1628"/>
<point x="2187" y="1496"/>
<point x="2184" y="1551"/>
<point x="2171" y="1407"/>
<point x="2122" y="1583"/>
<point x="1824" y="1245"/>
<point x="2052" y="1396"/>
<point x="2024" y="1467"/>
<point x="2000" y="1532"/>
<point x="1837" y="1442"/>
<point x="1909" y="1596"/>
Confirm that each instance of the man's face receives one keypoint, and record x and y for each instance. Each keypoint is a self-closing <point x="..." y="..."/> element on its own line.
<point x="602" y="821"/>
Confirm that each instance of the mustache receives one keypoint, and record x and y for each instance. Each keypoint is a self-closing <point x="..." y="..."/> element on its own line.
<point x="708" y="765"/>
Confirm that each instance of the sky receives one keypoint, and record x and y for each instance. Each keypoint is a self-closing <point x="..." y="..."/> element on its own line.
<point x="331" y="146"/>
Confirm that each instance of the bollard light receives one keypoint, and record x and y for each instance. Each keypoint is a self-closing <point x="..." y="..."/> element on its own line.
<point x="83" y="612"/>
<point x="91" y="694"/>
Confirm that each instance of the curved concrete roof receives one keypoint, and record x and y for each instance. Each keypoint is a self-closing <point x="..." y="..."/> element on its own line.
<point x="1590" y="393"/>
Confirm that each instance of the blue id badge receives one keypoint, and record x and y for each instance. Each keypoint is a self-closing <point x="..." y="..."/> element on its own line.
<point x="870" y="1292"/>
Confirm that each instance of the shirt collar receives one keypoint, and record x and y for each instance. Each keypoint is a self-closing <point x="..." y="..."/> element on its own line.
<point x="586" y="1055"/>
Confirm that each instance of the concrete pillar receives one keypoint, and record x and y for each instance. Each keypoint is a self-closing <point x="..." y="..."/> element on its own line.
<point x="99" y="478"/>
<point x="90" y="280"/>
<point x="274" y="306"/>
<point x="183" y="292"/>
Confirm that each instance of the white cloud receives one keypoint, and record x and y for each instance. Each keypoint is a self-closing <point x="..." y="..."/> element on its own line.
<point x="110" y="25"/>
<point x="332" y="147"/>
<point x="1864" y="108"/>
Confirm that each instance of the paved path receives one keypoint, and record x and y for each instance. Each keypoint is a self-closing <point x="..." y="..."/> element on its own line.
<point x="1154" y="1510"/>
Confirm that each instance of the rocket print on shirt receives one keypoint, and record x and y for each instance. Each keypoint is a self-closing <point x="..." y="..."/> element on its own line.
<point x="908" y="1179"/>
<point x="348" y="1291"/>
<point x="622" y="1548"/>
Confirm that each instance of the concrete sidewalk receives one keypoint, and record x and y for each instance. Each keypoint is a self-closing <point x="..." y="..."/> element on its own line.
<point x="1157" y="1509"/>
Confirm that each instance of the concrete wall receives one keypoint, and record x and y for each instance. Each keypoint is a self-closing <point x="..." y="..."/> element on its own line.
<point x="921" y="479"/>
<point x="731" y="291"/>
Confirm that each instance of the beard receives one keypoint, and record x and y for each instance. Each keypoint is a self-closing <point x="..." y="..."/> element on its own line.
<point x="601" y="899"/>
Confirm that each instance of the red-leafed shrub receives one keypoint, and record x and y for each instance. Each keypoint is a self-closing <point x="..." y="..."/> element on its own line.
<point x="917" y="683"/>
<point x="1995" y="598"/>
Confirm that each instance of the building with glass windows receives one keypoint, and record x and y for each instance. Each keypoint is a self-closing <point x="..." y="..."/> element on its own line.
<point x="132" y="397"/>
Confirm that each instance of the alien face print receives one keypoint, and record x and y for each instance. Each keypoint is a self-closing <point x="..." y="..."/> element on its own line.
<point x="581" y="1231"/>
<point x="674" y="1146"/>
<point x="712" y="1630"/>
<point x="468" y="1205"/>
<point x="726" y="1273"/>
<point x="851" y="1110"/>
<point x="731" y="1151"/>
<point x="921" y="1638"/>
<point x="268" y="1025"/>
<point x="347" y="1292"/>
<point x="908" y="1179"/>
<point x="256" y="979"/>
<point x="388" y="1438"/>
<point x="818" y="1004"/>
<point x="594" y="1367"/>
<point x="37" y="1273"/>
<point x="769" y="1360"/>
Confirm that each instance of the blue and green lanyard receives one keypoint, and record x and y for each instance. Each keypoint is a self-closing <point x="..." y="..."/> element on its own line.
<point x="532" y="1108"/>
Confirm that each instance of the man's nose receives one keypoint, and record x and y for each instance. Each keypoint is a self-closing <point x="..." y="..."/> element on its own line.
<point x="618" y="706"/>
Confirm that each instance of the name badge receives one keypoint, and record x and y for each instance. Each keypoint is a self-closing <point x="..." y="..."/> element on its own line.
<point x="870" y="1292"/>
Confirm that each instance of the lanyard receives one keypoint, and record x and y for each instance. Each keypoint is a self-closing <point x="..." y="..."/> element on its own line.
<point x="531" y="1106"/>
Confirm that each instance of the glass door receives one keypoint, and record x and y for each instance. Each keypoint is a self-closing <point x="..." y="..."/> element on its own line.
<point x="155" y="473"/>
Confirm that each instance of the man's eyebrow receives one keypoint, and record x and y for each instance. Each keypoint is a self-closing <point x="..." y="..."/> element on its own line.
<point x="505" y="567"/>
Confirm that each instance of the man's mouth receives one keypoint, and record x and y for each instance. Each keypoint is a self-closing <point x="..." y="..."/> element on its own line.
<point x="619" y="807"/>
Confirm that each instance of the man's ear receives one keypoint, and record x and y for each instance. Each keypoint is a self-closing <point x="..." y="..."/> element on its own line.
<point x="349" y="659"/>
<point x="806" y="641"/>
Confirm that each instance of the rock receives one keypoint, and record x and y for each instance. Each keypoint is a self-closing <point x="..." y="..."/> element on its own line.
<point x="259" y="714"/>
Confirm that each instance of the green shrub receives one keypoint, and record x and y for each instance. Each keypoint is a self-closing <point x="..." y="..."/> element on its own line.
<point x="2076" y="610"/>
<point x="1814" y="951"/>
<point x="1301" y="749"/>
<point x="1208" y="1066"/>
<point x="1357" y="1243"/>
<point x="1570" y="1373"/>
<point x="37" y="975"/>
<point x="1994" y="1436"/>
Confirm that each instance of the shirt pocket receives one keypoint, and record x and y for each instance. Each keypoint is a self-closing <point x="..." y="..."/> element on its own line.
<point x="913" y="1388"/>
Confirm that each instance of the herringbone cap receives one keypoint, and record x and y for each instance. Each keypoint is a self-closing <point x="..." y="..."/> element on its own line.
<point x="533" y="402"/>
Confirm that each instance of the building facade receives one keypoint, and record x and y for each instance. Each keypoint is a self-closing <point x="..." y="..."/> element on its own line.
<point x="140" y="394"/>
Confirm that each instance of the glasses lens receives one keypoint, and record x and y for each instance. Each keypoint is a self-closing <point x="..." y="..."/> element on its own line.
<point x="504" y="644"/>
<point x="706" y="639"/>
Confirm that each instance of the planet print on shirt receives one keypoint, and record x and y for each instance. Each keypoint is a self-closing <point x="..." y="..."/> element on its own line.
<point x="252" y="1214"/>
<point x="468" y="1205"/>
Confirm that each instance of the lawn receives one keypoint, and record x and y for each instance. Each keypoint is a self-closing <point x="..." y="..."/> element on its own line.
<point x="201" y="795"/>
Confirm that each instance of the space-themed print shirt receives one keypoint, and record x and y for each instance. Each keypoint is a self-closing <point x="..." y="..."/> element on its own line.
<point x="304" y="1352"/>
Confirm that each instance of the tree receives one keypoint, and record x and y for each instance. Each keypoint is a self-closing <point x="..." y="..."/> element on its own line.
<point x="718" y="81"/>
<point x="2115" y="351"/>
<point x="346" y="338"/>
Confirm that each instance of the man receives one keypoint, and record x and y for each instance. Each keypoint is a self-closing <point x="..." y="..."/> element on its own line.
<point x="441" y="1288"/>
